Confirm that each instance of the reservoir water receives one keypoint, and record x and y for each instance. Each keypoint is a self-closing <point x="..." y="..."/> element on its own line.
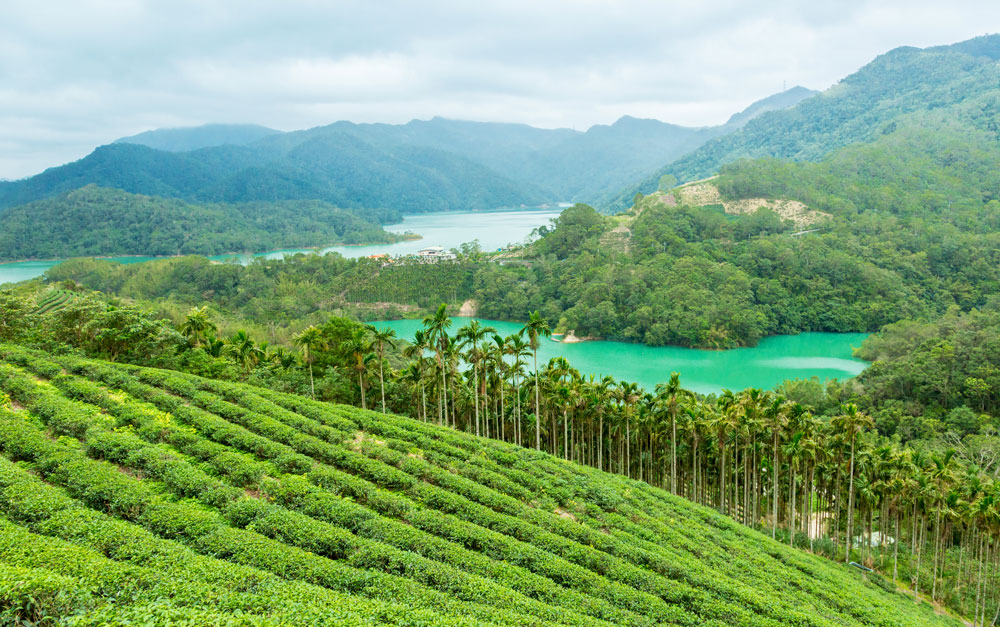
<point x="823" y="355"/>
<point x="493" y="229"/>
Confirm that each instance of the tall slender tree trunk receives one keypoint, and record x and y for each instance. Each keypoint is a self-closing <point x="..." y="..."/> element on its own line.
<point x="791" y="512"/>
<point x="774" y="488"/>
<point x="565" y="435"/>
<point x="722" y="476"/>
<point x="895" y="551"/>
<point x="503" y="413"/>
<point x="934" y="568"/>
<point x="361" y="384"/>
<point x="538" y="415"/>
<point x="673" y="453"/>
<point x="444" y="393"/>
<point x="850" y="506"/>
<point x="920" y="554"/>
<point x="628" y="452"/>
<point x="809" y="504"/>
<point x="600" y="442"/>
<point x="475" y="387"/>
<point x="312" y="387"/>
<point x="381" y="381"/>
<point x="423" y="398"/>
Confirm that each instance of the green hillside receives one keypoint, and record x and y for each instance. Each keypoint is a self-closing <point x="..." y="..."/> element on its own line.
<point x="859" y="108"/>
<point x="130" y="493"/>
<point x="102" y="221"/>
<point x="903" y="227"/>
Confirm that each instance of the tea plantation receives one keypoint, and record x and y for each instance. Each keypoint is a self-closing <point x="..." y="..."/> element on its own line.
<point x="139" y="496"/>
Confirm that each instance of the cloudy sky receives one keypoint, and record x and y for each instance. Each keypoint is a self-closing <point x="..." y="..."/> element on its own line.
<point x="79" y="73"/>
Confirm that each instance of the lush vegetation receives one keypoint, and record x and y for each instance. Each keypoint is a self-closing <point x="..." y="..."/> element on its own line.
<point x="133" y="492"/>
<point x="935" y="378"/>
<point x="859" y="108"/>
<point x="100" y="221"/>
<point x="892" y="454"/>
<point x="912" y="230"/>
<point x="283" y="295"/>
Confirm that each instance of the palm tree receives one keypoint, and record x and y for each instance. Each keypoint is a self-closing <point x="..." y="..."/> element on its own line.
<point x="629" y="394"/>
<point x="241" y="347"/>
<point x="284" y="358"/>
<point x="670" y="396"/>
<point x="214" y="346"/>
<point x="850" y="423"/>
<point x="436" y="326"/>
<point x="775" y="419"/>
<point x="536" y="327"/>
<point x="794" y="451"/>
<point x="311" y="339"/>
<point x="416" y="351"/>
<point x="358" y="346"/>
<point x="516" y="348"/>
<point x="471" y="335"/>
<point x="381" y="338"/>
<point x="197" y="326"/>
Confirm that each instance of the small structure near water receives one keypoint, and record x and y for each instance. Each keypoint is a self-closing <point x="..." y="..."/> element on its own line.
<point x="433" y="254"/>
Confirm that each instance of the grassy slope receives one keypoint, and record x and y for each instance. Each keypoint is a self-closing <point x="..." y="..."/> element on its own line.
<point x="138" y="492"/>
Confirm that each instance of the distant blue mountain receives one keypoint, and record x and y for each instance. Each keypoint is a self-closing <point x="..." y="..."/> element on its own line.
<point x="432" y="165"/>
<point x="195" y="137"/>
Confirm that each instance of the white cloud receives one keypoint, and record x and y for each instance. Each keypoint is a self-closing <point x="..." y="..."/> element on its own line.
<point x="76" y="74"/>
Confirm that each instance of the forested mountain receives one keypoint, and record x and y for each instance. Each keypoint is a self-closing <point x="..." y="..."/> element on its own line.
<point x="421" y="166"/>
<point x="904" y="227"/>
<point x="204" y="136"/>
<point x="857" y="109"/>
<point x="336" y="168"/>
<point x="102" y="221"/>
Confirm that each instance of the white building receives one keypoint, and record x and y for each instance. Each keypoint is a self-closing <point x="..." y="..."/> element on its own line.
<point x="433" y="254"/>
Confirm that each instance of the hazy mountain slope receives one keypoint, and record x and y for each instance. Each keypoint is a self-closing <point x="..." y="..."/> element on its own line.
<point x="215" y="500"/>
<point x="193" y="138"/>
<point x="858" y="109"/>
<point x="566" y="164"/>
<point x="336" y="168"/>
<point x="782" y="100"/>
<point x="432" y="165"/>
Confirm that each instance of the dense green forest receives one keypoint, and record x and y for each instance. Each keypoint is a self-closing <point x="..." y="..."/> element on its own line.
<point x="110" y="222"/>
<point x="281" y="294"/>
<point x="913" y="230"/>
<point x="857" y="109"/>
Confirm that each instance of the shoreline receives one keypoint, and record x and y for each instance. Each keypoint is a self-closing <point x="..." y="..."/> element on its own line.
<point x="400" y="238"/>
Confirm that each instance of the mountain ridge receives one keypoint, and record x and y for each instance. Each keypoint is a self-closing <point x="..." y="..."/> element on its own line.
<point x="856" y="109"/>
<point x="423" y="165"/>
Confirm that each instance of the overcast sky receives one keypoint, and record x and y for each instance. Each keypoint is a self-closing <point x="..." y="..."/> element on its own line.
<point x="80" y="73"/>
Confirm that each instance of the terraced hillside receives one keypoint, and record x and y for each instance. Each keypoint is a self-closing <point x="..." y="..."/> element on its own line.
<point x="130" y="493"/>
<point x="54" y="300"/>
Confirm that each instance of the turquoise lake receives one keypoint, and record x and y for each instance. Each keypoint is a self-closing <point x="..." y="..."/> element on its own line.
<point x="493" y="229"/>
<point x="824" y="355"/>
